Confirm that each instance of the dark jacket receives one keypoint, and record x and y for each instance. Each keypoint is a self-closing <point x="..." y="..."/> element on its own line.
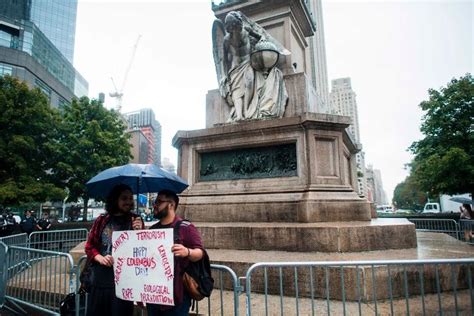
<point x="27" y="225"/>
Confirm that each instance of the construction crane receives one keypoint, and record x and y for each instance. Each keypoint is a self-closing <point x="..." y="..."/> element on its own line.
<point x="118" y="93"/>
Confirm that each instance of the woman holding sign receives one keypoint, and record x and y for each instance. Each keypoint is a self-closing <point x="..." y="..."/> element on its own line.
<point x="118" y="217"/>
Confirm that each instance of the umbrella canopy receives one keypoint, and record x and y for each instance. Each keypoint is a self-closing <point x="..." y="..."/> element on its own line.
<point x="142" y="178"/>
<point x="461" y="199"/>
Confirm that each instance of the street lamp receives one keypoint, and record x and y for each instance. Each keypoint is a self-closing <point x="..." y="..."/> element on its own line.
<point x="264" y="57"/>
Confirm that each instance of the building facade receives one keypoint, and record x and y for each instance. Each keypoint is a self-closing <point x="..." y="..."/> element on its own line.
<point x="376" y="192"/>
<point x="343" y="102"/>
<point x="145" y="121"/>
<point x="37" y="46"/>
<point x="139" y="149"/>
<point x="317" y="49"/>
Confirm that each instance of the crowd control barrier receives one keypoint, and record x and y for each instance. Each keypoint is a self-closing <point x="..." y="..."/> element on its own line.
<point x="361" y="287"/>
<point x="57" y="240"/>
<point x="15" y="240"/>
<point x="37" y="279"/>
<point x="447" y="226"/>
<point x="466" y="227"/>
<point x="221" y="302"/>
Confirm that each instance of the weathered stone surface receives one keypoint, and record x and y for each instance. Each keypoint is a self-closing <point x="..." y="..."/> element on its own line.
<point x="268" y="207"/>
<point x="322" y="190"/>
<point x="298" y="237"/>
<point x="77" y="252"/>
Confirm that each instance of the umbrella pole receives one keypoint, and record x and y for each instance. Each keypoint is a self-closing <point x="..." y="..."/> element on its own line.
<point x="138" y="192"/>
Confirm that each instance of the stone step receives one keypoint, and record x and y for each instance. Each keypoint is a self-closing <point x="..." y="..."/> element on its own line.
<point x="303" y="206"/>
<point x="376" y="234"/>
<point x="360" y="281"/>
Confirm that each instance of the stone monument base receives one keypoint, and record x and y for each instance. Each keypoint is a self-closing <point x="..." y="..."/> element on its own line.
<point x="333" y="237"/>
<point x="304" y="207"/>
<point x="281" y="185"/>
<point x="295" y="169"/>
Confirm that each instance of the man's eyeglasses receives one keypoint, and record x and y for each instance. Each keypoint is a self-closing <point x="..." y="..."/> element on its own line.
<point x="158" y="202"/>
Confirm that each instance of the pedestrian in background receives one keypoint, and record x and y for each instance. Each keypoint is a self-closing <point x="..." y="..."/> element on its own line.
<point x="43" y="225"/>
<point x="466" y="211"/>
<point x="118" y="217"/>
<point x="27" y="225"/>
<point x="467" y="214"/>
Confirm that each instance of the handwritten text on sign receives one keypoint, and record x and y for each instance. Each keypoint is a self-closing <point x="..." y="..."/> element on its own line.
<point x="143" y="265"/>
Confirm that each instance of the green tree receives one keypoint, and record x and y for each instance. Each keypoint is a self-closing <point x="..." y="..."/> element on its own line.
<point x="444" y="158"/>
<point x="408" y="195"/>
<point x="92" y="139"/>
<point x="28" y="128"/>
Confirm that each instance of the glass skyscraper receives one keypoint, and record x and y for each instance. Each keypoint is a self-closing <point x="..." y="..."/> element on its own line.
<point x="57" y="20"/>
<point x="41" y="32"/>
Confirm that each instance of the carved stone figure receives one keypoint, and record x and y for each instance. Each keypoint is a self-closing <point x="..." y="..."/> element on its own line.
<point x="245" y="56"/>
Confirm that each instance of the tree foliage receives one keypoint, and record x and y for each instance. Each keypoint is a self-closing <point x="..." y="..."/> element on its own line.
<point x="92" y="139"/>
<point x="444" y="158"/>
<point x="28" y="127"/>
<point x="407" y="195"/>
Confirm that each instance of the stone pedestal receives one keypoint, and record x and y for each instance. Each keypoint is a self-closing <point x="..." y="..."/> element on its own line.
<point x="282" y="184"/>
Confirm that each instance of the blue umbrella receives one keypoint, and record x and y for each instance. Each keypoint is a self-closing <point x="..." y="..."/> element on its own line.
<point x="142" y="178"/>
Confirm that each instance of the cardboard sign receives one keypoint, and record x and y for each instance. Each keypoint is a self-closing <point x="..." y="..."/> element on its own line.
<point x="144" y="265"/>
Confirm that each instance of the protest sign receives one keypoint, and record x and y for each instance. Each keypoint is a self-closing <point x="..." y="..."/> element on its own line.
<point x="143" y="265"/>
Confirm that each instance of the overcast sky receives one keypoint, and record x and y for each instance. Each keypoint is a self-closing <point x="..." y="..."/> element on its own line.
<point x="393" y="51"/>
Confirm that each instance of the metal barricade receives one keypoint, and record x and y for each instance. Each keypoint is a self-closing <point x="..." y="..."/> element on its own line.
<point x="15" y="240"/>
<point x="447" y="226"/>
<point x="3" y="272"/>
<point x="57" y="240"/>
<point x="392" y="287"/>
<point x="83" y="307"/>
<point x="38" y="279"/>
<point x="466" y="227"/>
<point x="217" y="304"/>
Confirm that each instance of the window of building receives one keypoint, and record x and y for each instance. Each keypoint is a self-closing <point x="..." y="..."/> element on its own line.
<point x="43" y="87"/>
<point x="5" y="70"/>
<point x="62" y="103"/>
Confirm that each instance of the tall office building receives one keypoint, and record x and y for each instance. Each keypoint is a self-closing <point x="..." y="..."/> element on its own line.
<point x="317" y="48"/>
<point x="140" y="147"/>
<point x="145" y="121"/>
<point x="343" y="102"/>
<point x="37" y="46"/>
<point x="375" y="185"/>
<point x="57" y="20"/>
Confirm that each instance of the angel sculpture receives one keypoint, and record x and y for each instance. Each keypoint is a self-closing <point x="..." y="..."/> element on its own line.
<point x="245" y="56"/>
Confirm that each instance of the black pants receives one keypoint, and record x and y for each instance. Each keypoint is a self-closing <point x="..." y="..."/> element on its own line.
<point x="102" y="301"/>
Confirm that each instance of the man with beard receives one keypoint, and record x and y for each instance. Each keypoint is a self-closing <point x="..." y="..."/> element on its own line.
<point x="187" y="247"/>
